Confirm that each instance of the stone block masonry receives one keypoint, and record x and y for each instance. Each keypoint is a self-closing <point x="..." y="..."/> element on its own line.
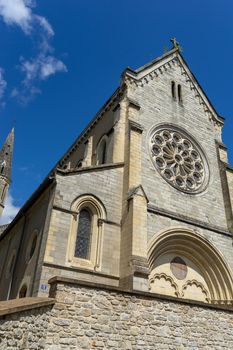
<point x="94" y="317"/>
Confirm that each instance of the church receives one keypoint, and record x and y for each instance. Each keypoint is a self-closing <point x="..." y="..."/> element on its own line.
<point x="140" y="202"/>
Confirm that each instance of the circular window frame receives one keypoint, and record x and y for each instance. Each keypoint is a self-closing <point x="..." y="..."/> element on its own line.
<point x="28" y="256"/>
<point x="179" y="273"/>
<point x="171" y="128"/>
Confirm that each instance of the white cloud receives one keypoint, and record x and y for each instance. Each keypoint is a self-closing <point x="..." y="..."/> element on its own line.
<point x="44" y="24"/>
<point x="35" y="70"/>
<point x="17" y="12"/>
<point x="25" y="95"/>
<point x="3" y="84"/>
<point x="50" y="66"/>
<point x="42" y="67"/>
<point x="9" y="211"/>
<point x="44" y="64"/>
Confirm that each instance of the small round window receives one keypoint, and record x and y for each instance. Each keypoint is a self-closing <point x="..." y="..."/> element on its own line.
<point x="179" y="268"/>
<point x="32" y="245"/>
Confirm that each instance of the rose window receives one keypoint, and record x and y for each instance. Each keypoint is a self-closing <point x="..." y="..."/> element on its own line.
<point x="179" y="160"/>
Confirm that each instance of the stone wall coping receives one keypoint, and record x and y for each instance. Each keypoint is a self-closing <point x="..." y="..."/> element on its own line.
<point x="80" y="269"/>
<point x="21" y="304"/>
<point x="193" y="303"/>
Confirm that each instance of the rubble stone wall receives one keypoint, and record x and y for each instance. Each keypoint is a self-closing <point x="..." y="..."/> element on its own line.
<point x="90" y="317"/>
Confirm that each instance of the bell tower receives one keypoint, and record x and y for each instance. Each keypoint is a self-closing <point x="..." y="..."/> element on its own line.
<point x="6" y="154"/>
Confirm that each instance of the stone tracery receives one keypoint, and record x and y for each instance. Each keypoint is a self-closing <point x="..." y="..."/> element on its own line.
<point x="209" y="279"/>
<point x="178" y="159"/>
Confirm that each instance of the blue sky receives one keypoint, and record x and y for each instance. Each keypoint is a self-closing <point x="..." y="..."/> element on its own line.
<point x="60" y="61"/>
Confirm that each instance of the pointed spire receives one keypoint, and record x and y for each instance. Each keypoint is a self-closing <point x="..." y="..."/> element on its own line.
<point x="6" y="154"/>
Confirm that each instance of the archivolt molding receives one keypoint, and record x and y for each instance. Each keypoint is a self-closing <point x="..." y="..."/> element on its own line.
<point x="198" y="285"/>
<point x="201" y="252"/>
<point x="88" y="200"/>
<point x="139" y="80"/>
<point x="159" y="276"/>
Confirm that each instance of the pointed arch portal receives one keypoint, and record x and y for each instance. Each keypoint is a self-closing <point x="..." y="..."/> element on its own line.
<point x="208" y="277"/>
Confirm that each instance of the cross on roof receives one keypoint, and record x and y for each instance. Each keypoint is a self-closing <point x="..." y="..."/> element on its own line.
<point x="175" y="43"/>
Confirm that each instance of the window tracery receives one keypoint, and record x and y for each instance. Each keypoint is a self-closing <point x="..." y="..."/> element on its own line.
<point x="203" y="274"/>
<point x="179" y="160"/>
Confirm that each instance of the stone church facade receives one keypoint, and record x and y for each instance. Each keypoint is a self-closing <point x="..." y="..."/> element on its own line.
<point x="141" y="202"/>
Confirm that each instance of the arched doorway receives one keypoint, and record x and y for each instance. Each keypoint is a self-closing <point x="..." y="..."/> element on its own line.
<point x="184" y="264"/>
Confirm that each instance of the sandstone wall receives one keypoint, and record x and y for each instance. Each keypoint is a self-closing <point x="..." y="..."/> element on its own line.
<point x="158" y="107"/>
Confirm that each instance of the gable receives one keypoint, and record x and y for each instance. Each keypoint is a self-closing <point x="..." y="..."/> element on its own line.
<point x="151" y="88"/>
<point x="165" y="64"/>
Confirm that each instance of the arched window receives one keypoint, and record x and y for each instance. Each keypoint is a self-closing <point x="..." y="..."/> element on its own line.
<point x="86" y="233"/>
<point x="23" y="291"/>
<point x="102" y="151"/>
<point x="83" y="240"/>
<point x="10" y="270"/>
<point x="173" y="88"/>
<point x="179" y="94"/>
<point x="31" y="246"/>
<point x="80" y="164"/>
